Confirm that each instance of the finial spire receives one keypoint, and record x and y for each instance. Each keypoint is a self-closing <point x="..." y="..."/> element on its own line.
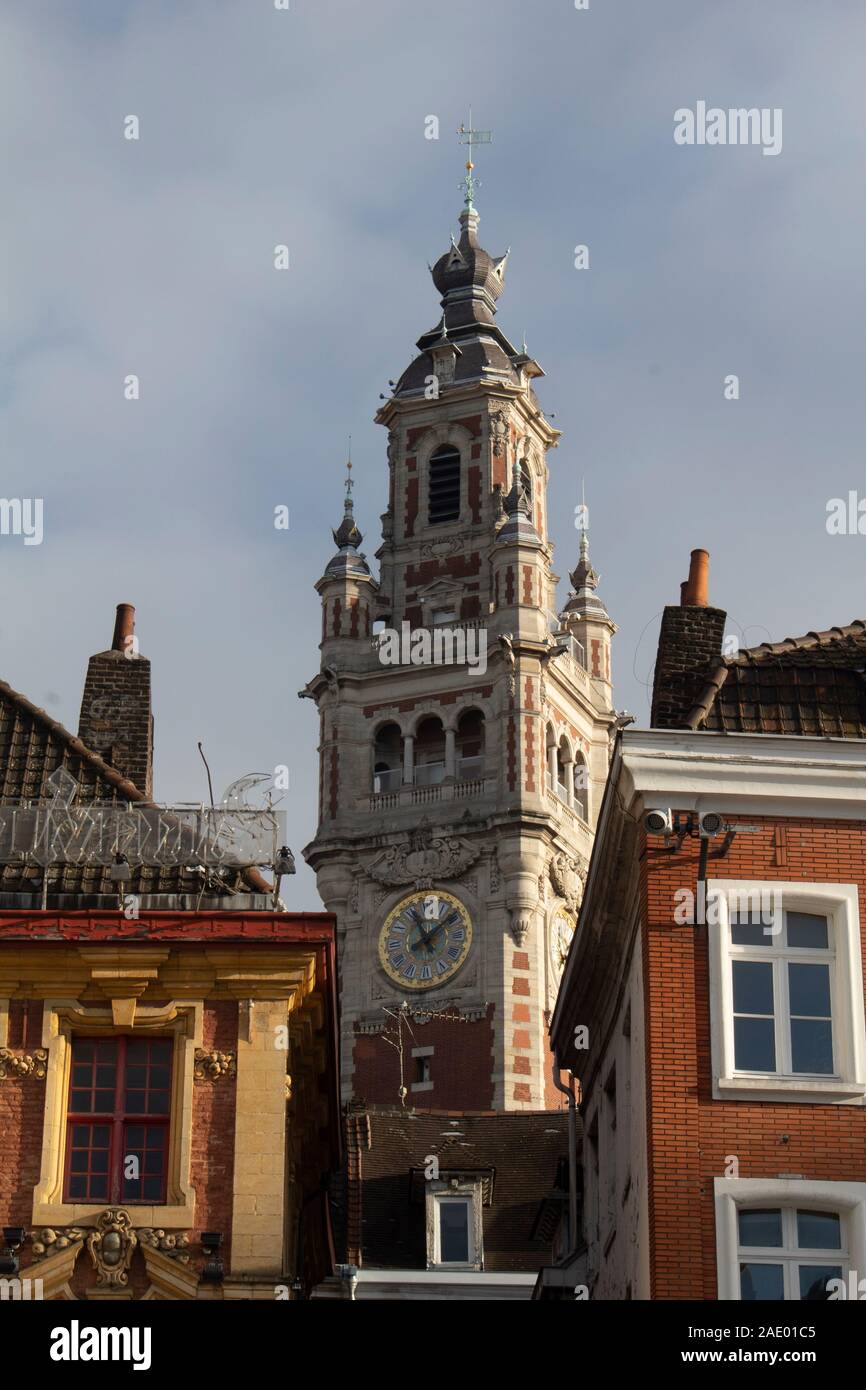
<point x="349" y="482"/>
<point x="468" y="136"/>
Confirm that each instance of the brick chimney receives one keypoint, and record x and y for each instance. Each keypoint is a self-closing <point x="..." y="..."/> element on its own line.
<point x="690" y="641"/>
<point x="116" y="720"/>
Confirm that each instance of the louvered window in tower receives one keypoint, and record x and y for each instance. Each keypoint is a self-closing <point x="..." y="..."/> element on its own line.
<point x="444" y="497"/>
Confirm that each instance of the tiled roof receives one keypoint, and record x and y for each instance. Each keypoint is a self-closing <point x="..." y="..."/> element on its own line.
<point x="32" y="747"/>
<point x="516" y="1156"/>
<point x="812" y="685"/>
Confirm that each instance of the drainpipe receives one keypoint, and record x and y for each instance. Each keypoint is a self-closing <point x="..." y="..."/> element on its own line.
<point x="572" y="1153"/>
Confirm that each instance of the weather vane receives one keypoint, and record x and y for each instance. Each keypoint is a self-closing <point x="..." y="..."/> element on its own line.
<point x="472" y="138"/>
<point x="349" y="483"/>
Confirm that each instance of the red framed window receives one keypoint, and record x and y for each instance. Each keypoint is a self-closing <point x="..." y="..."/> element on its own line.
<point x="117" y="1120"/>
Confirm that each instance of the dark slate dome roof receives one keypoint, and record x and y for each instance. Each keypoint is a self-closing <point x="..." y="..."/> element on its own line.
<point x="470" y="282"/>
<point x="467" y="264"/>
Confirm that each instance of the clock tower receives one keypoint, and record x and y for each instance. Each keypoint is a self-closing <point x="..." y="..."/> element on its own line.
<point x="465" y="727"/>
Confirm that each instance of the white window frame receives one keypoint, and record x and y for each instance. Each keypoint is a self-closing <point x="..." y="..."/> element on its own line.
<point x="440" y="1192"/>
<point x="847" y="1199"/>
<point x="839" y="903"/>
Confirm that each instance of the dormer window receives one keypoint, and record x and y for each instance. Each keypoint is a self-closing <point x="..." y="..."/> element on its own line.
<point x="454" y="1222"/>
<point x="444" y="486"/>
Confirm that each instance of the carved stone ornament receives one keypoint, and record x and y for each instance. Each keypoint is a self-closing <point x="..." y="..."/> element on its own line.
<point x="421" y="860"/>
<point x="27" y="1064"/>
<point x="439" y="550"/>
<point x="568" y="877"/>
<point x="520" y="923"/>
<point x="495" y="879"/>
<point x="170" y="1243"/>
<point x="498" y="432"/>
<point x="48" y="1241"/>
<point x="111" y="1246"/>
<point x="211" y="1065"/>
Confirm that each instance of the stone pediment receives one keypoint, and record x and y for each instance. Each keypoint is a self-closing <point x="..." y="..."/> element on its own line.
<point x="422" y="859"/>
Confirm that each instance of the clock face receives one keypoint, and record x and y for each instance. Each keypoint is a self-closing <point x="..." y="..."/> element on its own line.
<point x="425" y="940"/>
<point x="561" y="931"/>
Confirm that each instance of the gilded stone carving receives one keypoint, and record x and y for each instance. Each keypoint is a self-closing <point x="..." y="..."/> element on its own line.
<point x="211" y="1065"/>
<point x="27" y="1064"/>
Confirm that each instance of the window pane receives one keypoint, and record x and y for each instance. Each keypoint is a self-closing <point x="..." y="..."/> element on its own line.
<point x="454" y="1232"/>
<point x="754" y="1044"/>
<point x="812" y="1046"/>
<point x="819" y="1230"/>
<point x="753" y="987"/>
<point x="145" y="1180"/>
<point x="813" y="1280"/>
<point x="805" y="930"/>
<point x="747" y="929"/>
<point x="809" y="988"/>
<point x="759" y="1227"/>
<point x="759" y="1282"/>
<point x="105" y="1075"/>
<point x="88" y="1162"/>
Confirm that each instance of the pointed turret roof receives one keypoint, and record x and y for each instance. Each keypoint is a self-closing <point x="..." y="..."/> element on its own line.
<point x="347" y="537"/>
<point x="583" y="600"/>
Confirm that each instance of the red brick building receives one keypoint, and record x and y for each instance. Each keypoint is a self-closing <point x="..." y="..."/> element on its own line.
<point x="713" y="1001"/>
<point x="168" y="1078"/>
<point x="169" y="1095"/>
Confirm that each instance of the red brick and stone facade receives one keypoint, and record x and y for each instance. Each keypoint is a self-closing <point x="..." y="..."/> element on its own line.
<point x="691" y="1125"/>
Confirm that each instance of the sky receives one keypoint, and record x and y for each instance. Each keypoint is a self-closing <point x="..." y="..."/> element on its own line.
<point x="306" y="127"/>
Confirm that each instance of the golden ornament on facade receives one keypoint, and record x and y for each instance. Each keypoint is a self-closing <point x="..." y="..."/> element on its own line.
<point x="211" y="1065"/>
<point x="27" y="1064"/>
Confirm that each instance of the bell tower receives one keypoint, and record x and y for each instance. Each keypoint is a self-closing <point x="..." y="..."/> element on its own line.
<point x="464" y="727"/>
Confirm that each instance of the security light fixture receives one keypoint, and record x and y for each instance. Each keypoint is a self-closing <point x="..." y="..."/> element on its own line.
<point x="213" y="1271"/>
<point x="711" y="823"/>
<point x="659" y="822"/>
<point x="13" y="1237"/>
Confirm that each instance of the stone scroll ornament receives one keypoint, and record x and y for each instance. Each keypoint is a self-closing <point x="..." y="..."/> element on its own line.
<point x="111" y="1246"/>
<point x="422" y="859"/>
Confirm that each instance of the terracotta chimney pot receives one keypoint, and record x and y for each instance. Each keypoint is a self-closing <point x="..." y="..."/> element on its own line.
<point x="124" y="627"/>
<point x="694" y="592"/>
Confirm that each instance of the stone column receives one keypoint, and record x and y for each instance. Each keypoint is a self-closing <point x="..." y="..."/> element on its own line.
<point x="259" y="1197"/>
<point x="408" y="760"/>
<point x="569" y="783"/>
<point x="450" y="753"/>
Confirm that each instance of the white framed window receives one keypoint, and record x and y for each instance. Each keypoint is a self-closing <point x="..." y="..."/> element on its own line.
<point x="786" y="985"/>
<point x="454" y="1226"/>
<point x="786" y="1238"/>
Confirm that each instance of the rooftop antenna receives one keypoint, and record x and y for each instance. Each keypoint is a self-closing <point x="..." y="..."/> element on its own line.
<point x="470" y="137"/>
<point x="207" y="770"/>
